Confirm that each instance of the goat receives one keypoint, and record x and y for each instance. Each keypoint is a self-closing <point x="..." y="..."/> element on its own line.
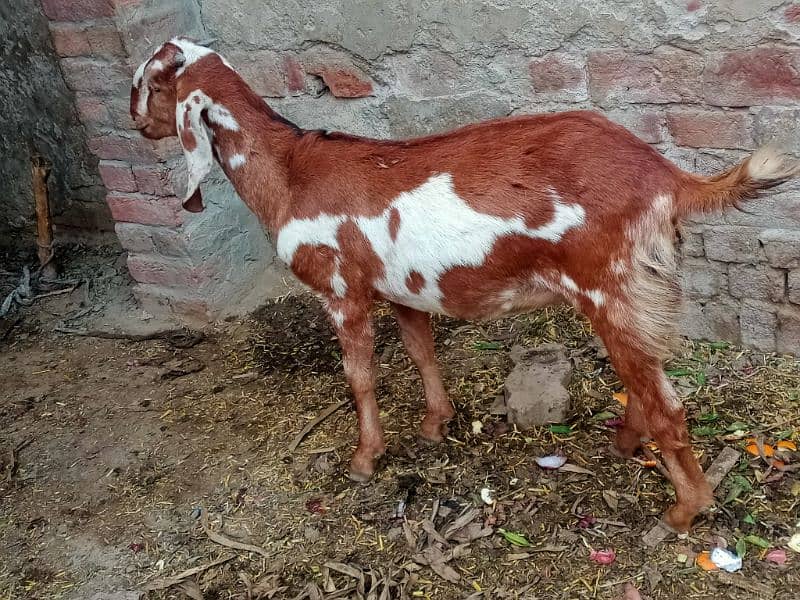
<point x="491" y="219"/>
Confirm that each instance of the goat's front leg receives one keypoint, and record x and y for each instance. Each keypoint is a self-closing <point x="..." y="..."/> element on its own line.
<point x="356" y="337"/>
<point x="415" y="327"/>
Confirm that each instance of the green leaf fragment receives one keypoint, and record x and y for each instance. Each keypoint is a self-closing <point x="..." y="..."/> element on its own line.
<point x="678" y="372"/>
<point x="562" y="429"/>
<point x="603" y="416"/>
<point x="516" y="539"/>
<point x="748" y="518"/>
<point x="705" y="430"/>
<point x="709" y="417"/>
<point x="741" y="547"/>
<point x="487" y="345"/>
<point x="757" y="541"/>
<point x="738" y="426"/>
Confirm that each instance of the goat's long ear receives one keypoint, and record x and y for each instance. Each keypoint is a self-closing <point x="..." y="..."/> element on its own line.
<point x="194" y="137"/>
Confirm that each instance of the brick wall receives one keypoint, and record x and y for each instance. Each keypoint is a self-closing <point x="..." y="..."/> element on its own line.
<point x="704" y="81"/>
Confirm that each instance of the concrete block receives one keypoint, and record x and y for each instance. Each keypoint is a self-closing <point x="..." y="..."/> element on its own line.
<point x="536" y="391"/>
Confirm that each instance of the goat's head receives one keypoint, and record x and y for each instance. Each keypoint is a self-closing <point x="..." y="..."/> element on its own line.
<point x="159" y="108"/>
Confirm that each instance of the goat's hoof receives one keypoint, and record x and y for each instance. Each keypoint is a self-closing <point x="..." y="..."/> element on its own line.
<point x="358" y="477"/>
<point x="678" y="520"/>
<point x="624" y="454"/>
<point x="435" y="434"/>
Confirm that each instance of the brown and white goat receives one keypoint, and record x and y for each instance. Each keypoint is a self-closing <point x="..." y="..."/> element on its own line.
<point x="488" y="220"/>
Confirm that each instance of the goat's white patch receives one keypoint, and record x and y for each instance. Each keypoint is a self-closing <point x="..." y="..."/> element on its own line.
<point x="137" y="77"/>
<point x="338" y="284"/>
<point x="618" y="267"/>
<point x="156" y="65"/>
<point x="438" y="231"/>
<point x="237" y="160"/>
<point x="220" y="115"/>
<point x="193" y="52"/>
<point x="338" y="318"/>
<point x="569" y="283"/>
<point x="596" y="296"/>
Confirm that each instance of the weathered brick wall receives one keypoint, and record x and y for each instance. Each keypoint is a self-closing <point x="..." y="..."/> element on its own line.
<point x="38" y="116"/>
<point x="705" y="81"/>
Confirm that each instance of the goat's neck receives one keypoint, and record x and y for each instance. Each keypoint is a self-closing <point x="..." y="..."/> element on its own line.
<point x="255" y="157"/>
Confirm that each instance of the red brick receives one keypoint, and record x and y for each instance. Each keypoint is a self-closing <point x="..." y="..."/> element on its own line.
<point x="70" y="39"/>
<point x="344" y="82"/>
<point x="558" y="76"/>
<point x="154" y="179"/>
<point x="168" y="272"/>
<point x="295" y="76"/>
<point x="665" y="76"/>
<point x="117" y="146"/>
<point x="96" y="76"/>
<point x="77" y="10"/>
<point x="92" y="111"/>
<point x="147" y="210"/>
<point x="117" y="176"/>
<point x="753" y="77"/>
<point x="105" y="41"/>
<point x="711" y="129"/>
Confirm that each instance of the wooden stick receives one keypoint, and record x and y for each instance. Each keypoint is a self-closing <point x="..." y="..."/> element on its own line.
<point x="323" y="415"/>
<point x="44" y="224"/>
<point x="726" y="460"/>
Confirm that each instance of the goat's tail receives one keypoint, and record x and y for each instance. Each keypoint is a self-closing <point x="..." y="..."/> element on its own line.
<point x="765" y="169"/>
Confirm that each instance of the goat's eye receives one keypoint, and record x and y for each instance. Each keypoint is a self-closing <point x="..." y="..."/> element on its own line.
<point x="156" y="89"/>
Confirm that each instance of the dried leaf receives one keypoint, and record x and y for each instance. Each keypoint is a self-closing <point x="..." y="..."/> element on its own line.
<point x="785" y="445"/>
<point x="621" y="397"/>
<point x="570" y="468"/>
<point x="631" y="593"/>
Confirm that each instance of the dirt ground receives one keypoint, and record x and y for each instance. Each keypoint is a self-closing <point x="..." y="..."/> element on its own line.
<point x="123" y="463"/>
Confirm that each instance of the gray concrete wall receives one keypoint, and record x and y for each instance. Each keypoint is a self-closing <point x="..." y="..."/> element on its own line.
<point x="38" y="115"/>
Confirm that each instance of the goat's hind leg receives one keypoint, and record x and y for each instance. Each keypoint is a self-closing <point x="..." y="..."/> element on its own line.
<point x="415" y="327"/>
<point x="633" y="431"/>
<point x="663" y="417"/>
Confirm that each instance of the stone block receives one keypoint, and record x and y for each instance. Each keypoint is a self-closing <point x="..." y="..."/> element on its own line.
<point x="711" y="320"/>
<point x="788" y="335"/>
<point x="782" y="247"/>
<point x="758" y="324"/>
<point x="701" y="278"/>
<point x="794" y="286"/>
<point x="536" y="389"/>
<point x="733" y="244"/>
<point x="758" y="282"/>
<point x="70" y="39"/>
<point x="691" y="243"/>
